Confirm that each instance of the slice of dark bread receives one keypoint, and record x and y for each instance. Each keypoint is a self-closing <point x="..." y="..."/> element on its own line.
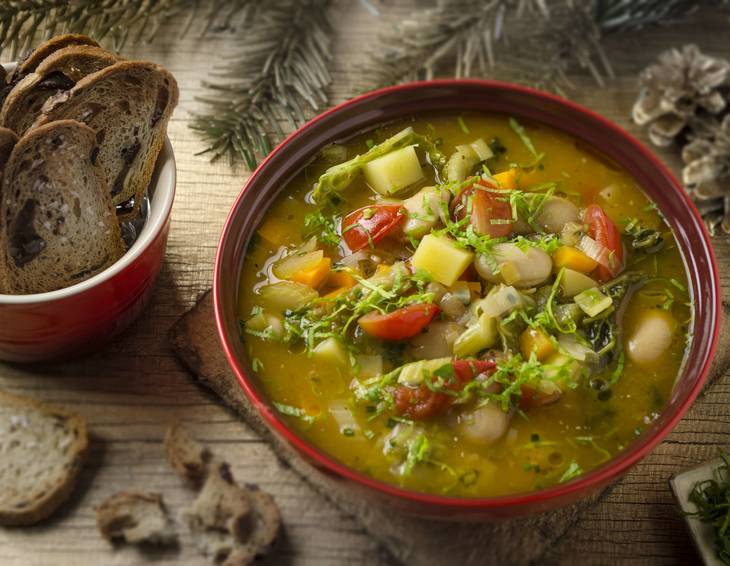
<point x="58" y="225"/>
<point x="135" y="517"/>
<point x="128" y="105"/>
<point x="58" y="72"/>
<point x="30" y="60"/>
<point x="8" y="139"/>
<point x="43" y="449"/>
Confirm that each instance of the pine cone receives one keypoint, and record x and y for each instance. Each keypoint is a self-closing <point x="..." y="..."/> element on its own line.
<point x="707" y="173"/>
<point x="681" y="85"/>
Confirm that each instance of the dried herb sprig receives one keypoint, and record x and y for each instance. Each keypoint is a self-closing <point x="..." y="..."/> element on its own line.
<point x="281" y="75"/>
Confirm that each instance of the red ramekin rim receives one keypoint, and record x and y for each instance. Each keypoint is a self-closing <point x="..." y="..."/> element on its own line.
<point x="595" y="478"/>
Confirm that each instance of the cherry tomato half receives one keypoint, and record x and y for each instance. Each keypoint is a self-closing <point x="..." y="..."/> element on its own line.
<point x="370" y="224"/>
<point x="602" y="229"/>
<point x="491" y="213"/>
<point x="421" y="403"/>
<point x="400" y="324"/>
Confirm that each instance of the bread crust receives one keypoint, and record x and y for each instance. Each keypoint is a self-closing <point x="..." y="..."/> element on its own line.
<point x="46" y="504"/>
<point x="60" y="71"/>
<point x="51" y="45"/>
<point x="134" y="77"/>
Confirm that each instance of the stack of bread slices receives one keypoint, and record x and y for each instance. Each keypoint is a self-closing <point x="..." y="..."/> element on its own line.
<point x="80" y="133"/>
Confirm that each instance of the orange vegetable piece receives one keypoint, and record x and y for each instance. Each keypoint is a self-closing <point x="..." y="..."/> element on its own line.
<point x="507" y="179"/>
<point x="341" y="279"/>
<point x="573" y="258"/>
<point x="315" y="276"/>
<point x="535" y="340"/>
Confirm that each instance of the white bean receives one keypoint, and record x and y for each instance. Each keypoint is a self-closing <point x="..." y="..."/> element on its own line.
<point x="519" y="268"/>
<point x="484" y="425"/>
<point x="436" y="342"/>
<point x="651" y="337"/>
<point x="555" y="213"/>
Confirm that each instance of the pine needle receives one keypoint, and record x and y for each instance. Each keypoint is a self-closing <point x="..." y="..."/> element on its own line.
<point x="118" y="21"/>
<point x="462" y="31"/>
<point x="550" y="38"/>
<point x="281" y="75"/>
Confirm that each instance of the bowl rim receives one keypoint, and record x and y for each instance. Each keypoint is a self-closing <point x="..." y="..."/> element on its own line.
<point x="164" y="192"/>
<point x="616" y="466"/>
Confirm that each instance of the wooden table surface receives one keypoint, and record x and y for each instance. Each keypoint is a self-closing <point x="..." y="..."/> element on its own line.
<point x="133" y="388"/>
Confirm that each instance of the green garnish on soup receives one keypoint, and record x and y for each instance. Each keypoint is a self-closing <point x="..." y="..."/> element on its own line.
<point x="469" y="305"/>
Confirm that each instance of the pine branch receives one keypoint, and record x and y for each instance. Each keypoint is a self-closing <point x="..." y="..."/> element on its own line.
<point x="282" y="74"/>
<point x="631" y="15"/>
<point x="115" y="20"/>
<point x="462" y="31"/>
<point x="471" y="37"/>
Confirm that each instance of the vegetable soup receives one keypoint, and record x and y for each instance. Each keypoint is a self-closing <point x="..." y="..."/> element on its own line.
<point x="468" y="305"/>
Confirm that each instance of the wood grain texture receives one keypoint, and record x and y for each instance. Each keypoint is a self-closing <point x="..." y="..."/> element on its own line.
<point x="132" y="389"/>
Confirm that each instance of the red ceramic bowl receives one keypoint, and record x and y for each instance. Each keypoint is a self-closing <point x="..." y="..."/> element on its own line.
<point x="374" y="108"/>
<point x="80" y="318"/>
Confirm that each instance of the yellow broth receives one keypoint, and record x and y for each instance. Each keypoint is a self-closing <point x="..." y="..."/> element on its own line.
<point x="546" y="445"/>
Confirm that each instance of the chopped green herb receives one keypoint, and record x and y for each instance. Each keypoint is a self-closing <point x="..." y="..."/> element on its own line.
<point x="462" y="125"/>
<point x="712" y="499"/>
<point x="573" y="471"/>
<point x="256" y="365"/>
<point x="294" y="412"/>
<point x="520" y="131"/>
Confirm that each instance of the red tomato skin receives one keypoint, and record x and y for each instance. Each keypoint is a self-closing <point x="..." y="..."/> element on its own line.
<point x="421" y="403"/>
<point x="356" y="228"/>
<point x="486" y="206"/>
<point x="531" y="398"/>
<point x="398" y="325"/>
<point x="603" y="230"/>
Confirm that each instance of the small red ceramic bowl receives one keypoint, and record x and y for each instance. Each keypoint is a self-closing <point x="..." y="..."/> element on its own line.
<point x="388" y="104"/>
<point x="81" y="318"/>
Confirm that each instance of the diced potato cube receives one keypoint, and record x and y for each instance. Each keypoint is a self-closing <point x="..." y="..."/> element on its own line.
<point x="574" y="282"/>
<point x="593" y="302"/>
<point x="394" y="171"/>
<point x="441" y="258"/>
<point x="332" y="351"/>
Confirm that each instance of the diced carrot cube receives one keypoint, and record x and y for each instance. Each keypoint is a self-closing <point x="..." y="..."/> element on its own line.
<point x="315" y="276"/>
<point x="507" y="179"/>
<point x="572" y="258"/>
<point x="535" y="340"/>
